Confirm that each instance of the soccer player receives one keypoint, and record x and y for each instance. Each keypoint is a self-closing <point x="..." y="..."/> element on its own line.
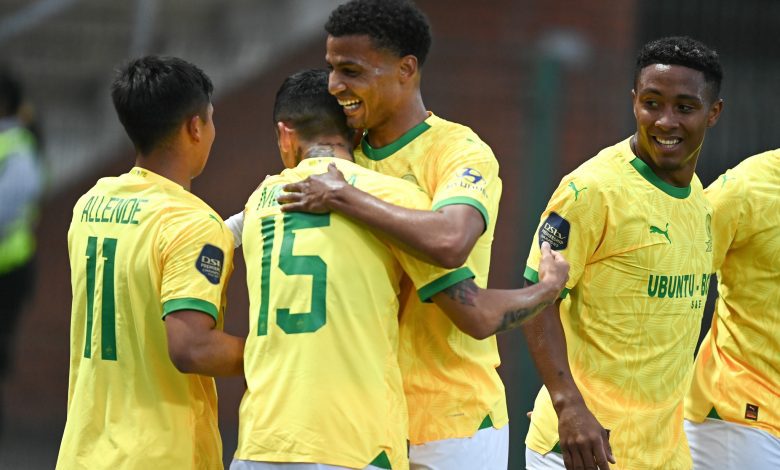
<point x="324" y="386"/>
<point x="149" y="265"/>
<point x="731" y="410"/>
<point x="615" y="354"/>
<point x="376" y="49"/>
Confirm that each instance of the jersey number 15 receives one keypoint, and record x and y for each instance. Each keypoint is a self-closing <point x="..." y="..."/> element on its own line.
<point x="291" y="264"/>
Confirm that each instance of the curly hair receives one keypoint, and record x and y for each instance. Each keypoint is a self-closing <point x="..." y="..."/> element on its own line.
<point x="685" y="51"/>
<point x="396" y="25"/>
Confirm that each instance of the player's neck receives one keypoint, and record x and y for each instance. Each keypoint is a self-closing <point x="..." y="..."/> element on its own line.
<point x="403" y="119"/>
<point x="327" y="149"/>
<point x="168" y="166"/>
<point x="680" y="177"/>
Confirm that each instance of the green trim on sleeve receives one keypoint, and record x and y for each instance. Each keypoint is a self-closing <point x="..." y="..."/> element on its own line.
<point x="383" y="152"/>
<point x="451" y="201"/>
<point x="648" y="174"/>
<point x="190" y="304"/>
<point x="453" y="277"/>
<point x="531" y="275"/>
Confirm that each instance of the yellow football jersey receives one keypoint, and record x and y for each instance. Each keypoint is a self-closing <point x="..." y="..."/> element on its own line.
<point x="450" y="378"/>
<point x="321" y="364"/>
<point x="736" y="370"/>
<point x="141" y="247"/>
<point x="640" y="252"/>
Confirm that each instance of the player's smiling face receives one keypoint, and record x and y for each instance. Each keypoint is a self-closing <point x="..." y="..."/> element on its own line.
<point x="673" y="109"/>
<point x="364" y="79"/>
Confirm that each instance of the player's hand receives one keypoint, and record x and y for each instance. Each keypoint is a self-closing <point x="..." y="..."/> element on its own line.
<point x="584" y="442"/>
<point x="553" y="271"/>
<point x="311" y="194"/>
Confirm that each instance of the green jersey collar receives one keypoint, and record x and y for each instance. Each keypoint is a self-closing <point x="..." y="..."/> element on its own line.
<point x="647" y="173"/>
<point x="389" y="149"/>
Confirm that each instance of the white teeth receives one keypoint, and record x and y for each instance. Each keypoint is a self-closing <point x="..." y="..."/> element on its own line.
<point x="349" y="103"/>
<point x="670" y="141"/>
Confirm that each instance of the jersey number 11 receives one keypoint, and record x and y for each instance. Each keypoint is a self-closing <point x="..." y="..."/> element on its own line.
<point x="107" y="307"/>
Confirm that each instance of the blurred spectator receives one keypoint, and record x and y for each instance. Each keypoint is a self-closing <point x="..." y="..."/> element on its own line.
<point x="20" y="189"/>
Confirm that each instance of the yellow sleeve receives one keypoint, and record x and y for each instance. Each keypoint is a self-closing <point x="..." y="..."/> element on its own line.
<point x="573" y="223"/>
<point x="427" y="278"/>
<point x="467" y="174"/>
<point x="728" y="199"/>
<point x="197" y="259"/>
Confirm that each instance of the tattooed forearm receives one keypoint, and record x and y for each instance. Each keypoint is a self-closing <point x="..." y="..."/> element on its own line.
<point x="514" y="318"/>
<point x="464" y="292"/>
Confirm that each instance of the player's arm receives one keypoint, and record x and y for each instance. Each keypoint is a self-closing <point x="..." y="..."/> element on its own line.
<point x="236" y="225"/>
<point x="196" y="346"/>
<point x="196" y="255"/>
<point x="444" y="237"/>
<point x="236" y="221"/>
<point x="484" y="312"/>
<point x="576" y="226"/>
<point x="729" y="205"/>
<point x="582" y="438"/>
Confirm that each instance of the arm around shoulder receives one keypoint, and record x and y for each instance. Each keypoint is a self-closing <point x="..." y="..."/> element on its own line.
<point x="444" y="237"/>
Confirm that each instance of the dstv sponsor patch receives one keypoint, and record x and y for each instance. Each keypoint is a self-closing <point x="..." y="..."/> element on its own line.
<point x="555" y="231"/>
<point x="209" y="263"/>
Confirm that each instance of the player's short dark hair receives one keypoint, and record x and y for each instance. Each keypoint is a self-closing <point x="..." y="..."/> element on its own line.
<point x="396" y="25"/>
<point x="154" y="95"/>
<point x="304" y="103"/>
<point x="10" y="92"/>
<point x="685" y="51"/>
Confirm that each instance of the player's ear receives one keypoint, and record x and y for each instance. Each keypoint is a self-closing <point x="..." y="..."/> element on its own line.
<point x="194" y="127"/>
<point x="284" y="135"/>
<point x="287" y="140"/>
<point x="408" y="67"/>
<point x="714" y="113"/>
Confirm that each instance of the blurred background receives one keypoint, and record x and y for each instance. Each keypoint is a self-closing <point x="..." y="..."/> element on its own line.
<point x="546" y="83"/>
